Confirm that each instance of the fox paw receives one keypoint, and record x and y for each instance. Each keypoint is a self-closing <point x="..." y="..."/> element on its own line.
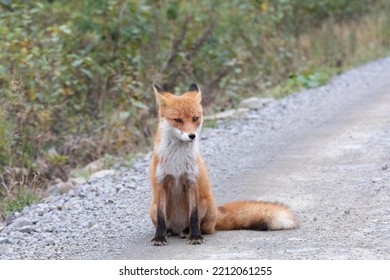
<point x="159" y="241"/>
<point x="185" y="233"/>
<point x="195" y="240"/>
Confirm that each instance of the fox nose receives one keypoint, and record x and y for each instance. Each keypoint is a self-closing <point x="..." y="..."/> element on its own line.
<point x="192" y="136"/>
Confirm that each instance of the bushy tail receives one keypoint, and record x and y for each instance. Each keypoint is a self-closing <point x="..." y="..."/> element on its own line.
<point x="255" y="215"/>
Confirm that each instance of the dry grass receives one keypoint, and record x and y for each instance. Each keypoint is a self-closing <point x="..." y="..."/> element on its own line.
<point x="345" y="44"/>
<point x="334" y="47"/>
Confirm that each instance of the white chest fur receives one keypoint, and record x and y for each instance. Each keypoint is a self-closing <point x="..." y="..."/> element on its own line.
<point x="177" y="157"/>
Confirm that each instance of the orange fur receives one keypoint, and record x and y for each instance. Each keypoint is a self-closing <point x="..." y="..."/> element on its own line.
<point x="182" y="200"/>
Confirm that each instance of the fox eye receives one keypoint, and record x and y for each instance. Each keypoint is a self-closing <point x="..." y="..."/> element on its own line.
<point x="178" y="120"/>
<point x="195" y="119"/>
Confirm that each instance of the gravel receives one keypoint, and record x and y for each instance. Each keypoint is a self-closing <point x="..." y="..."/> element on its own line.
<point x="107" y="216"/>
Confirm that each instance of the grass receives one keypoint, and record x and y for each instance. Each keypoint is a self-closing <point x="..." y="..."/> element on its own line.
<point x="18" y="190"/>
<point x="305" y="80"/>
<point x="22" y="198"/>
<point x="331" y="49"/>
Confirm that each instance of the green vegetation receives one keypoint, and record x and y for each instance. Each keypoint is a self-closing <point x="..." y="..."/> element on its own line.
<point x="20" y="199"/>
<point x="76" y="76"/>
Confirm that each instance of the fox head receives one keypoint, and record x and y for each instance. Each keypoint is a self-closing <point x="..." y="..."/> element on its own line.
<point x="180" y="116"/>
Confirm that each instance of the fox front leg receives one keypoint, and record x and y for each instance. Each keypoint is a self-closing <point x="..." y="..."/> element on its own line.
<point x="160" y="238"/>
<point x="194" y="227"/>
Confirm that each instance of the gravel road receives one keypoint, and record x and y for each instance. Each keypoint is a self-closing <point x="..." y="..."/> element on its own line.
<point x="325" y="152"/>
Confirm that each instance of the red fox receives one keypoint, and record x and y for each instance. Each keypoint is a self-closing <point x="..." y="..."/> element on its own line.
<point x="182" y="200"/>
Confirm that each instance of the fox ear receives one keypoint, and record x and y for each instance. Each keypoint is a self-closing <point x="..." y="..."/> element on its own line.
<point x="161" y="95"/>
<point x="194" y="89"/>
<point x="157" y="89"/>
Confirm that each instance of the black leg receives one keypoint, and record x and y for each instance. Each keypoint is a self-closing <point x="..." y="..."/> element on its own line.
<point x="160" y="238"/>
<point x="185" y="233"/>
<point x="195" y="234"/>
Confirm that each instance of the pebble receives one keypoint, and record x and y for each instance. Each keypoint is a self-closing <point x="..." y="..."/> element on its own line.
<point x="256" y="103"/>
<point x="102" y="173"/>
<point x="5" y="240"/>
<point x="42" y="209"/>
<point x="26" y="229"/>
<point x="21" y="222"/>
